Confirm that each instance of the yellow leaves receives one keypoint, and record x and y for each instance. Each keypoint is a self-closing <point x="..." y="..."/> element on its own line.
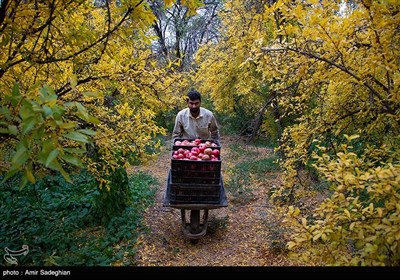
<point x="91" y="94"/>
<point x="347" y="213"/>
<point x="380" y="212"/>
<point x="293" y="211"/>
<point x="168" y="2"/>
<point x="316" y="236"/>
<point x="291" y="245"/>
<point x="370" y="248"/>
<point x="360" y="179"/>
<point x="124" y="110"/>
<point x="29" y="176"/>
<point x="298" y="11"/>
<point x="350" y="179"/>
<point x="192" y="5"/>
<point x="351" y="137"/>
<point x="73" y="80"/>
<point x="291" y="29"/>
<point x="278" y="4"/>
<point x="126" y="91"/>
<point x="371" y="208"/>
<point x="341" y="197"/>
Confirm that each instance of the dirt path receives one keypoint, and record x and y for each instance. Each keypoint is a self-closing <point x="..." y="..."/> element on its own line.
<point x="238" y="235"/>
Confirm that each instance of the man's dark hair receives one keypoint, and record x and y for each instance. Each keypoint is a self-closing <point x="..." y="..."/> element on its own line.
<point x="194" y="95"/>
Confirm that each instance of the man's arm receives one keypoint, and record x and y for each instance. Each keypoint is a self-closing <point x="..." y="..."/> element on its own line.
<point x="214" y="130"/>
<point x="177" y="131"/>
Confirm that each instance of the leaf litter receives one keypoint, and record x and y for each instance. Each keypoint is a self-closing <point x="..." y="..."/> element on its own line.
<point x="242" y="234"/>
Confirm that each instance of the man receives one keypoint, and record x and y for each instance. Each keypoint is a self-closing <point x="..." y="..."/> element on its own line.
<point x="195" y="121"/>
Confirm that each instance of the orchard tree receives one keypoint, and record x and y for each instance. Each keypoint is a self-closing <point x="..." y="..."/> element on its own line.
<point x="180" y="30"/>
<point x="345" y="63"/>
<point x="335" y="71"/>
<point x="227" y="71"/>
<point x="353" y="67"/>
<point x="79" y="87"/>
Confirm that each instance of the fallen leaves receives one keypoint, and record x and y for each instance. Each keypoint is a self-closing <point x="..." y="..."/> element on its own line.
<point x="238" y="235"/>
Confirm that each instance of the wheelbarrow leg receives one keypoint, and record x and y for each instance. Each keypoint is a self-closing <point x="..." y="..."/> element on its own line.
<point x="183" y="218"/>
<point x="195" y="221"/>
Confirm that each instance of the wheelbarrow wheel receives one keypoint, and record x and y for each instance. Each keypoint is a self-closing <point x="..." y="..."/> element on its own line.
<point x="194" y="229"/>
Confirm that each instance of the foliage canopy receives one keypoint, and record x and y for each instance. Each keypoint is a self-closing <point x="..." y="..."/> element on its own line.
<point x="79" y="86"/>
<point x="333" y="69"/>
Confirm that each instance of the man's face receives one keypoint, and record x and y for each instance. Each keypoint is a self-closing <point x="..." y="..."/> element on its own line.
<point x="194" y="105"/>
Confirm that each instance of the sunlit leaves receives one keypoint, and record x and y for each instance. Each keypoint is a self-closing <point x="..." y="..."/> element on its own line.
<point x="78" y="77"/>
<point x="336" y="68"/>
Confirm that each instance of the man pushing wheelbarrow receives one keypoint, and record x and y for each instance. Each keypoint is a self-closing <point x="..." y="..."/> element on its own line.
<point x="194" y="180"/>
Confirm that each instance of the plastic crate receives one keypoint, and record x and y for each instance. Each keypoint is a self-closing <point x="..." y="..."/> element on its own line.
<point x="175" y="147"/>
<point x="181" y="193"/>
<point x="195" y="171"/>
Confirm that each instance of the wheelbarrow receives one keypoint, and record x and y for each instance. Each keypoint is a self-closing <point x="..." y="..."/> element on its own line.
<point x="196" y="199"/>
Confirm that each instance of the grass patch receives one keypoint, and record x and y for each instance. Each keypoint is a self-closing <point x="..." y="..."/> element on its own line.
<point x="58" y="222"/>
<point x="244" y="173"/>
<point x="239" y="151"/>
<point x="259" y="167"/>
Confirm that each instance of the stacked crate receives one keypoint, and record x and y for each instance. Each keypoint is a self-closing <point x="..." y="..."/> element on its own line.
<point x="195" y="181"/>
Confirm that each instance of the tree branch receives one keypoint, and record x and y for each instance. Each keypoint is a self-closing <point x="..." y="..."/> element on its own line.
<point x="347" y="71"/>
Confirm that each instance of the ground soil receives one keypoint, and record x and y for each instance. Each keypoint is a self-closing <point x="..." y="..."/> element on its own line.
<point x="241" y="234"/>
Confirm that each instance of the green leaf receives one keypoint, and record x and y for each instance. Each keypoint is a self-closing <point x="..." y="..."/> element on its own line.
<point x="73" y="160"/>
<point x="24" y="181"/>
<point x="10" y="173"/>
<point x="69" y="104"/>
<point x="47" y="110"/>
<point x="82" y="112"/>
<point x="6" y="112"/>
<point x="39" y="132"/>
<point x="13" y="129"/>
<point x="52" y="155"/>
<point x="58" y="112"/>
<point x="48" y="96"/>
<point x="55" y="165"/>
<point x="91" y="94"/>
<point x="29" y="176"/>
<point x="77" y="136"/>
<point x="68" y="125"/>
<point x="15" y="90"/>
<point x="36" y="107"/>
<point x="87" y="131"/>
<point x="75" y="150"/>
<point x="20" y="157"/>
<point x="94" y="120"/>
<point x="28" y="124"/>
<point x="26" y="111"/>
<point x="47" y="147"/>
